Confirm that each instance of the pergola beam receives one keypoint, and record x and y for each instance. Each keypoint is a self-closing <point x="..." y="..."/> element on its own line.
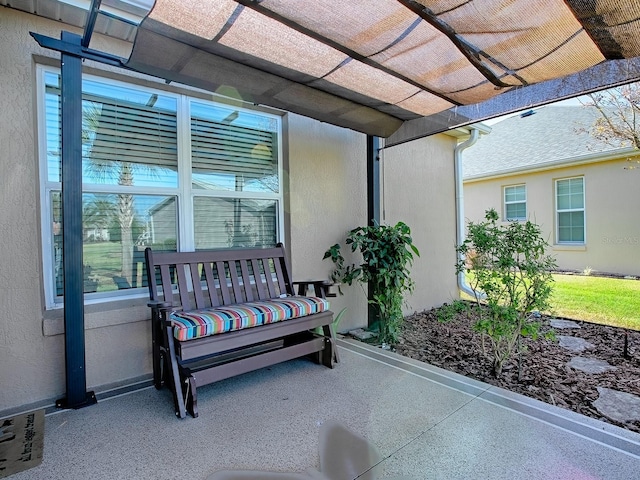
<point x="76" y="49"/>
<point x="94" y="9"/>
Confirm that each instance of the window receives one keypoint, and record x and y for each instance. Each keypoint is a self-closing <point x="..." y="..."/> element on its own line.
<point x="159" y="169"/>
<point x="570" y="210"/>
<point x="515" y="202"/>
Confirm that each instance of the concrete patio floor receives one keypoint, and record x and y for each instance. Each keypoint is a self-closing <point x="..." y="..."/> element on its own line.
<point x="425" y="422"/>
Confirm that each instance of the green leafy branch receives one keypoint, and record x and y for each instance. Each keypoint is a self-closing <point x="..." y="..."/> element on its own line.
<point x="387" y="253"/>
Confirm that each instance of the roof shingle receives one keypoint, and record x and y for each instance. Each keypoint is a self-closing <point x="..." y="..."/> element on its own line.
<point x="549" y="134"/>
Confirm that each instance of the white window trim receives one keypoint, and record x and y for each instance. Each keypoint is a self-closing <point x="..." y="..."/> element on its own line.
<point x="583" y="209"/>
<point x="505" y="203"/>
<point x="183" y="193"/>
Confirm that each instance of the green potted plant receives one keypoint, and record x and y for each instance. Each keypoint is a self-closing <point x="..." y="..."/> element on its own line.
<point x="387" y="253"/>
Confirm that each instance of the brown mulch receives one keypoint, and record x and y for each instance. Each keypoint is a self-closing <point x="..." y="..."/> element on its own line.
<point x="545" y="376"/>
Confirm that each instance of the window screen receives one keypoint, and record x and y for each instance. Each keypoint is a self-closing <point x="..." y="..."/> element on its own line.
<point x="570" y="210"/>
<point x="515" y="202"/>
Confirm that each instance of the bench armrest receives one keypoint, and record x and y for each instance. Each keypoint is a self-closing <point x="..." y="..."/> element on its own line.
<point x="162" y="306"/>
<point x="320" y="287"/>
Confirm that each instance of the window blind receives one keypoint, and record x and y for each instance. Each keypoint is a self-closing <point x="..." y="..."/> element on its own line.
<point x="234" y="223"/>
<point x="129" y="132"/>
<point x="222" y="148"/>
<point x="115" y="130"/>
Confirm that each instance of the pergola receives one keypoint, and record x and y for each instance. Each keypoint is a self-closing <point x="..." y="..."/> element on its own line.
<point x="396" y="69"/>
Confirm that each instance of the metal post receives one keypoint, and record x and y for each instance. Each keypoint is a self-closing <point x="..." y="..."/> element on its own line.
<point x="373" y="202"/>
<point x="373" y="180"/>
<point x="71" y="98"/>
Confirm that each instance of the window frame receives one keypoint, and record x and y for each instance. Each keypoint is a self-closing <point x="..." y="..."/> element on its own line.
<point x="570" y="210"/>
<point x="505" y="203"/>
<point x="184" y="192"/>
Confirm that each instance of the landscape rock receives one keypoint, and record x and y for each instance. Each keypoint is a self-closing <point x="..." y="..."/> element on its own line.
<point x="361" y="334"/>
<point x="590" y="365"/>
<point x="575" y="344"/>
<point x="561" y="324"/>
<point x="620" y="406"/>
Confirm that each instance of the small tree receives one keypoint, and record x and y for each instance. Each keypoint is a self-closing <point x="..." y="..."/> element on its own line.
<point x="387" y="254"/>
<point x="510" y="272"/>
<point x="618" y="122"/>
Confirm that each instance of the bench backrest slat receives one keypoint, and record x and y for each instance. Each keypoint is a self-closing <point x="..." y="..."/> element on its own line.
<point x="224" y="284"/>
<point x="198" y="294"/>
<point x="235" y="282"/>
<point x="165" y="276"/>
<point x="183" y="292"/>
<point x="268" y="275"/>
<point x="246" y="284"/>
<point x="211" y="278"/>
<point x="257" y="279"/>
<point x="280" y="276"/>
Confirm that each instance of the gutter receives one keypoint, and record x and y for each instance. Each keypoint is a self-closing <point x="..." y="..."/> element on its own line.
<point x="457" y="155"/>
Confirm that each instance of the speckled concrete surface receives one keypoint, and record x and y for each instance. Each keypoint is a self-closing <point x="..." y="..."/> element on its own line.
<point x="426" y="424"/>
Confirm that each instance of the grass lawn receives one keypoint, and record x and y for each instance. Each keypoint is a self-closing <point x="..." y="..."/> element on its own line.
<point x="609" y="301"/>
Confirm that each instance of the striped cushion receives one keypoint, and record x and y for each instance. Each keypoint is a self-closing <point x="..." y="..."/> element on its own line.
<point x="202" y="323"/>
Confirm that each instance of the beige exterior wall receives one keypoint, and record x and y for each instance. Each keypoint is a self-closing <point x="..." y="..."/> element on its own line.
<point x="327" y="179"/>
<point x="419" y="190"/>
<point x="328" y="197"/>
<point x="611" y="199"/>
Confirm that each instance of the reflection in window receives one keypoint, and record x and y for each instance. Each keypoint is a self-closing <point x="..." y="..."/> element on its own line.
<point x="234" y="223"/>
<point x="233" y="151"/>
<point x="116" y="228"/>
<point x="160" y="169"/>
<point x="129" y="138"/>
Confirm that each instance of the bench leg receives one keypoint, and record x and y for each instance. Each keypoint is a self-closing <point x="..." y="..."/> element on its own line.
<point x="190" y="395"/>
<point x="173" y="372"/>
<point x="327" y="354"/>
<point x="156" y="351"/>
<point x="331" y="337"/>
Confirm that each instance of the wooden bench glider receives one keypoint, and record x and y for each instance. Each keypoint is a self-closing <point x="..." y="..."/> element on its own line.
<point x="220" y="313"/>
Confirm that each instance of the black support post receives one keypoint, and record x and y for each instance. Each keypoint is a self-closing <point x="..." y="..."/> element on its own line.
<point x="373" y="201"/>
<point x="373" y="180"/>
<point x="71" y="98"/>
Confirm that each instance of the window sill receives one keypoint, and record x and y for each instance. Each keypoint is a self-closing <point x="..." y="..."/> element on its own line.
<point x="569" y="248"/>
<point x="107" y="314"/>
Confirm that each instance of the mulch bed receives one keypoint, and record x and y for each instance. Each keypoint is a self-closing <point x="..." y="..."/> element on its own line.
<point x="545" y="376"/>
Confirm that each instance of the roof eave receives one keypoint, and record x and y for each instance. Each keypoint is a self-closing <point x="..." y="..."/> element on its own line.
<point x="595" y="157"/>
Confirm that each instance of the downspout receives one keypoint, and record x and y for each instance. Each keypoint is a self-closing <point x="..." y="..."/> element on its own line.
<point x="457" y="155"/>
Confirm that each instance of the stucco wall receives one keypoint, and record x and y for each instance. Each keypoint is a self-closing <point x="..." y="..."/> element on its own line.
<point x="328" y="196"/>
<point x="327" y="179"/>
<point x="419" y="189"/>
<point x="611" y="199"/>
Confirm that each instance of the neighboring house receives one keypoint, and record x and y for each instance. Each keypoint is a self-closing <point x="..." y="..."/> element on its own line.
<point x="544" y="166"/>
<point x="297" y="180"/>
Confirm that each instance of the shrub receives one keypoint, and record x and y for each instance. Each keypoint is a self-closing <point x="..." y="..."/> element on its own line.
<point x="449" y="311"/>
<point x="511" y="273"/>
